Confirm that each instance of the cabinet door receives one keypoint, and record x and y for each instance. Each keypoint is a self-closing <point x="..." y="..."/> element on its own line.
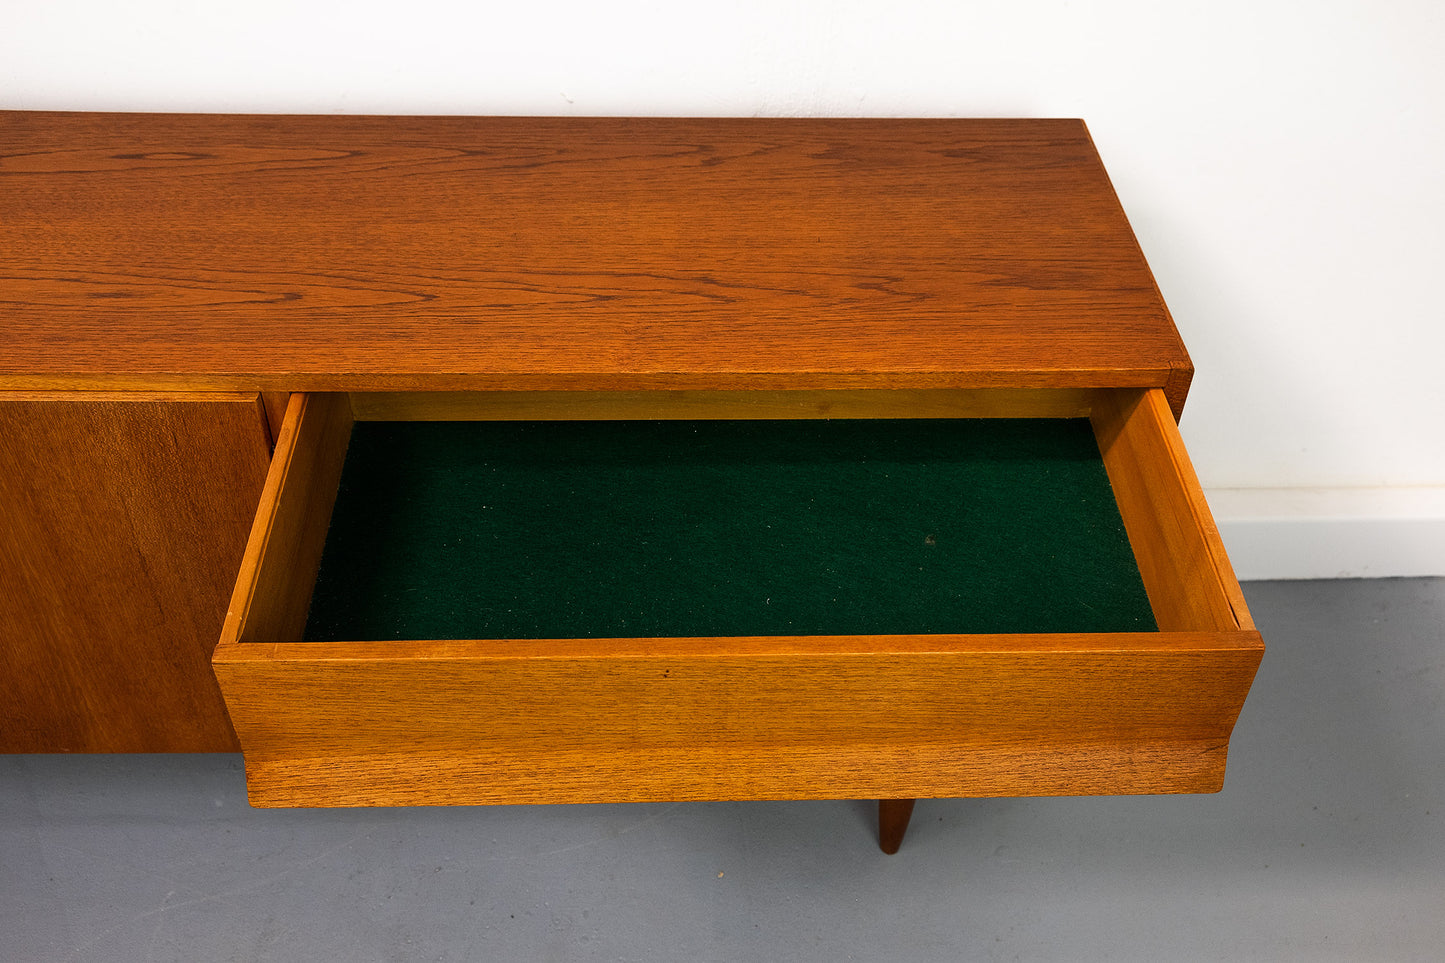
<point x="122" y="523"/>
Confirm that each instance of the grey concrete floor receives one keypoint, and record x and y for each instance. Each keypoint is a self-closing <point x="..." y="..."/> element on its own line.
<point x="1328" y="842"/>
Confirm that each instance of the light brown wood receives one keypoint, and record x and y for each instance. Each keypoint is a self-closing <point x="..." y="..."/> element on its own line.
<point x="571" y="721"/>
<point x="122" y="521"/>
<point x="278" y="570"/>
<point x="1163" y="418"/>
<point x="593" y="405"/>
<point x="1180" y="556"/>
<point x="845" y="769"/>
<point x="152" y="395"/>
<point x="445" y="253"/>
<point x="275" y="403"/>
<point x="383" y="723"/>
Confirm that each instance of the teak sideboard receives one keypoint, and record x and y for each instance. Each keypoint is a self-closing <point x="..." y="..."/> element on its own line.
<point x="670" y="459"/>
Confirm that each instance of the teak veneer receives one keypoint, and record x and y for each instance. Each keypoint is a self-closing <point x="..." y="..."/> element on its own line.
<point x="180" y="293"/>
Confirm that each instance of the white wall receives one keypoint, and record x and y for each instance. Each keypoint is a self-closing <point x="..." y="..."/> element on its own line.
<point x="1281" y="162"/>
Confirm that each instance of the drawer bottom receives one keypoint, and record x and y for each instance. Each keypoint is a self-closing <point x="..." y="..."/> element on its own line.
<point x="688" y="529"/>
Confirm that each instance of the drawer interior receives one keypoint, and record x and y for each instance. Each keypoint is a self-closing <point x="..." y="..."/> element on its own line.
<point x="694" y="528"/>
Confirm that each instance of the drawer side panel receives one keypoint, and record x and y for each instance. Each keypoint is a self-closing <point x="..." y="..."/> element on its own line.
<point x="1181" y="559"/>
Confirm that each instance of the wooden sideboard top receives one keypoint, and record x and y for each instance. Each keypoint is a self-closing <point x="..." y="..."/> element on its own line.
<point x="448" y="253"/>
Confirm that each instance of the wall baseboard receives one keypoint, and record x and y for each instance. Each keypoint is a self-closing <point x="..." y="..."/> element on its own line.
<point x="1300" y="533"/>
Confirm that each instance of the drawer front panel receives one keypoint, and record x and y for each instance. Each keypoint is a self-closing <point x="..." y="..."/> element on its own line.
<point x="573" y="721"/>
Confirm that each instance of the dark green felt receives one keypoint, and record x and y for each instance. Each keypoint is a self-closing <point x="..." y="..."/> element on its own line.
<point x="451" y="530"/>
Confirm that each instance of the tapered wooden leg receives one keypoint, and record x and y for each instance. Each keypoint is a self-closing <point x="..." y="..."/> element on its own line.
<point x="893" y="816"/>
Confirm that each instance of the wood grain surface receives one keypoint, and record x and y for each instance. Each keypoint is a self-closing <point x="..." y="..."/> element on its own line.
<point x="121" y="526"/>
<point x="283" y="551"/>
<point x="791" y="405"/>
<point x="405" y="723"/>
<point x="368" y="253"/>
<point x="371" y="722"/>
<point x="1181" y="558"/>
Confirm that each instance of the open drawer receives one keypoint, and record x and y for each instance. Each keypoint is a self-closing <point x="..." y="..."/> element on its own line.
<point x="1006" y="697"/>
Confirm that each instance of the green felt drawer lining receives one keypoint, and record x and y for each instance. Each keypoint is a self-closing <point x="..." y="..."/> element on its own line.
<point x="459" y="530"/>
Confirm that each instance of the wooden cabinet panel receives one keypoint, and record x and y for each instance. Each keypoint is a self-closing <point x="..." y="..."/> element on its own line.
<point x="571" y="253"/>
<point x="122" y="522"/>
